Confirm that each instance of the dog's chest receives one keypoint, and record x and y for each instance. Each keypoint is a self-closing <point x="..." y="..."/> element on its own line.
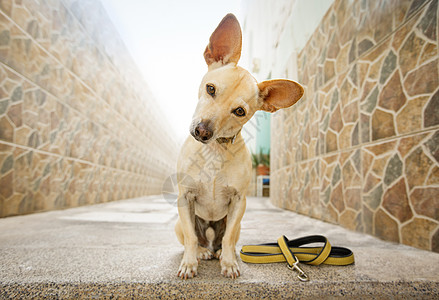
<point x="212" y="202"/>
<point x="213" y="175"/>
<point x="207" y="166"/>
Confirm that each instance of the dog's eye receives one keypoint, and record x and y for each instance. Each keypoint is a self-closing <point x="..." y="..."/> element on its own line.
<point x="210" y="88"/>
<point x="240" y="112"/>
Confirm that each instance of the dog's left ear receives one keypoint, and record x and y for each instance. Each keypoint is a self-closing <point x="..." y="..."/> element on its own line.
<point x="225" y="42"/>
<point x="279" y="93"/>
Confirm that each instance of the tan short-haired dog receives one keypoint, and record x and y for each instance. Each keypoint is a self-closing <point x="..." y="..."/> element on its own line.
<point x="214" y="166"/>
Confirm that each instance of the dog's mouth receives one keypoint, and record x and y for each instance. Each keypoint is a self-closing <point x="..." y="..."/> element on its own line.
<point x="219" y="140"/>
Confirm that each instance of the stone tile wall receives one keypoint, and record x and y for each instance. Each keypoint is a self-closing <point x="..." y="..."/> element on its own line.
<point x="362" y="147"/>
<point x="77" y="122"/>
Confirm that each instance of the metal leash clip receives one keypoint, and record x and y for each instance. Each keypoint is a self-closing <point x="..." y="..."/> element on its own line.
<point x="302" y="275"/>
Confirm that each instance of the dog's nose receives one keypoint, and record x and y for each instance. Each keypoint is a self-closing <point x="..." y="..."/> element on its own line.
<point x="202" y="132"/>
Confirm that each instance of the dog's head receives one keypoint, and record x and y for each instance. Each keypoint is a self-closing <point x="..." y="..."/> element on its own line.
<point x="229" y="95"/>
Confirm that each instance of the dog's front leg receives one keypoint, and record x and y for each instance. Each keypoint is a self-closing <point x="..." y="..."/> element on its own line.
<point x="186" y="211"/>
<point x="229" y="263"/>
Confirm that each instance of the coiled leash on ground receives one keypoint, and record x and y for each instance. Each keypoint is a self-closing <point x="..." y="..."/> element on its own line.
<point x="293" y="252"/>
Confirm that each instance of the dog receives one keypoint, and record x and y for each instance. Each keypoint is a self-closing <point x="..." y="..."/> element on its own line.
<point x="214" y="165"/>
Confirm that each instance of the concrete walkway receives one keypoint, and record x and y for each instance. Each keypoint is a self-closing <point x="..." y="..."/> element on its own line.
<point x="128" y="249"/>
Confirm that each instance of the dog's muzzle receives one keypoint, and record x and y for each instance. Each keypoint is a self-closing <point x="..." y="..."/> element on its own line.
<point x="202" y="132"/>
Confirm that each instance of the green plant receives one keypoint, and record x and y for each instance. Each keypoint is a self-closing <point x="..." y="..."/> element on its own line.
<point x="255" y="160"/>
<point x="261" y="159"/>
<point x="265" y="159"/>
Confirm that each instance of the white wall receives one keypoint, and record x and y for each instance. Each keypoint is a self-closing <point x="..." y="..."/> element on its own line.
<point x="274" y="32"/>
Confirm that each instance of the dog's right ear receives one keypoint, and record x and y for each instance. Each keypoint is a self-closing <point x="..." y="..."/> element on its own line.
<point x="279" y="93"/>
<point x="225" y="42"/>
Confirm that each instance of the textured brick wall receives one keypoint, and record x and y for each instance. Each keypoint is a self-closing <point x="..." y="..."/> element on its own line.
<point x="77" y="123"/>
<point x="362" y="148"/>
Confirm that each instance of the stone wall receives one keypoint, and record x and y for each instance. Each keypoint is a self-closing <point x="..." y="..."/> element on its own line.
<point x="77" y="122"/>
<point x="361" y="149"/>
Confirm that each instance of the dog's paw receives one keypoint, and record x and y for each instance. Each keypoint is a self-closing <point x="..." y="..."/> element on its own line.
<point x="230" y="268"/>
<point x="204" y="253"/>
<point x="218" y="254"/>
<point x="188" y="268"/>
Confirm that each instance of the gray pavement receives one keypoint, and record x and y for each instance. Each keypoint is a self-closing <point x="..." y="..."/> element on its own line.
<point x="127" y="249"/>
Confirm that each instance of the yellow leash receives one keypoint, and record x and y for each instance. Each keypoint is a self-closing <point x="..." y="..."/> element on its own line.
<point x="293" y="252"/>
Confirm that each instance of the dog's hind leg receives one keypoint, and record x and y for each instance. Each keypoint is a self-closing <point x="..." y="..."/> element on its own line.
<point x="206" y="236"/>
<point x="207" y="252"/>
